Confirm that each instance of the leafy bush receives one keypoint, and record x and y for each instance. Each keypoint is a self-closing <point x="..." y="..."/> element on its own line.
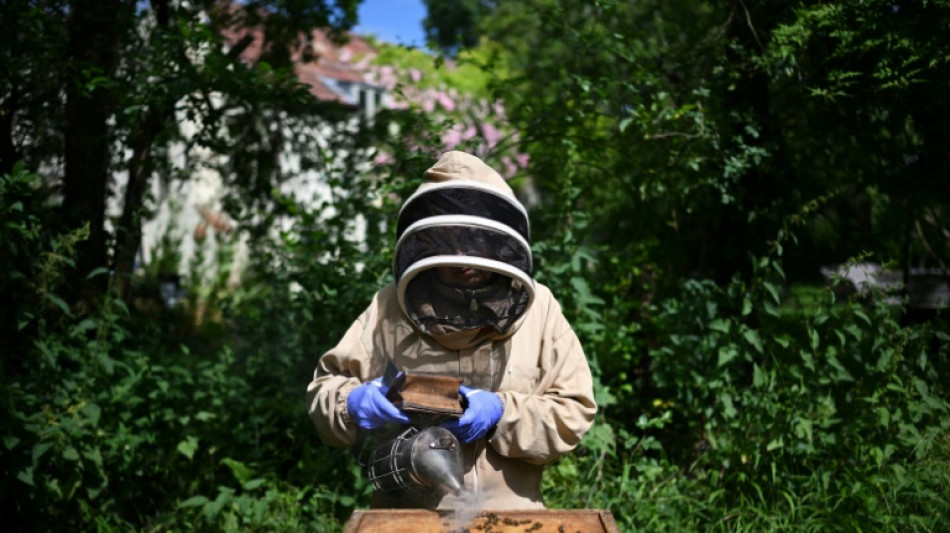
<point x="768" y="416"/>
<point x="115" y="419"/>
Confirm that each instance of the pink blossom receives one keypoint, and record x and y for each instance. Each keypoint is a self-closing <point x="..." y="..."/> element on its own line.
<point x="451" y="138"/>
<point x="415" y="75"/>
<point x="387" y="77"/>
<point x="480" y="110"/>
<point x="491" y="134"/>
<point x="383" y="158"/>
<point x="499" y="109"/>
<point x="522" y="160"/>
<point x="510" y="168"/>
<point x="447" y="103"/>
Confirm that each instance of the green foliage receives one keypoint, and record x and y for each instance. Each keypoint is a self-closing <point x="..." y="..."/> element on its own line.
<point x="441" y="105"/>
<point x="454" y="25"/>
<point x="766" y="418"/>
<point x="463" y="75"/>
<point x="670" y="143"/>
<point x="159" y="91"/>
<point x="115" y="420"/>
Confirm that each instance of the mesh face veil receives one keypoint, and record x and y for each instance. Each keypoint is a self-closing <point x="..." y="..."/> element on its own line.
<point x="463" y="255"/>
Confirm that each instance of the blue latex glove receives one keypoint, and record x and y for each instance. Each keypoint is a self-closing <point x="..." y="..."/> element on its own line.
<point x="483" y="409"/>
<point x="368" y="407"/>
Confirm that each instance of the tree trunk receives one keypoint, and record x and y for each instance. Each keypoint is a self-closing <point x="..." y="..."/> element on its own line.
<point x="129" y="230"/>
<point x="9" y="154"/>
<point x="10" y="102"/>
<point x="141" y="142"/>
<point x="93" y="45"/>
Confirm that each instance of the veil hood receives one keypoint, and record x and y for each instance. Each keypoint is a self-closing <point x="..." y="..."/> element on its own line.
<point x="464" y="214"/>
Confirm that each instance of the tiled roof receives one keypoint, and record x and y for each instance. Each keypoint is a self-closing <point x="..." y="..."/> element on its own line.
<point x="331" y="62"/>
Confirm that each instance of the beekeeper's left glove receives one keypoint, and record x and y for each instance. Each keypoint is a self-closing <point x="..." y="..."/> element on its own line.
<point x="483" y="409"/>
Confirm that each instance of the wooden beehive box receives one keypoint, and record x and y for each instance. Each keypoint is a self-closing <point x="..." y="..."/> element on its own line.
<point x="484" y="521"/>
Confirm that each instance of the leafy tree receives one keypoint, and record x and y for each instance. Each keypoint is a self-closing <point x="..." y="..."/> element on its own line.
<point x="698" y="162"/>
<point x="702" y="117"/>
<point x="126" y="71"/>
<point x="869" y="76"/>
<point x="441" y="105"/>
<point x="453" y="26"/>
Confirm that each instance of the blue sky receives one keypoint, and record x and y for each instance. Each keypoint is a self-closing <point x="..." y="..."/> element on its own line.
<point x="395" y="21"/>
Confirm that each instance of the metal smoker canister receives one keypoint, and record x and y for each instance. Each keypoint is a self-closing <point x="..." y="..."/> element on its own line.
<point x="419" y="461"/>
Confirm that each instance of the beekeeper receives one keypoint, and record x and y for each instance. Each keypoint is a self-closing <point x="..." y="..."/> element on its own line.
<point x="464" y="304"/>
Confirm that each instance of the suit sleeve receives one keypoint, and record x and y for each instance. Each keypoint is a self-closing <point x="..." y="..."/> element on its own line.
<point x="339" y="371"/>
<point x="541" y="427"/>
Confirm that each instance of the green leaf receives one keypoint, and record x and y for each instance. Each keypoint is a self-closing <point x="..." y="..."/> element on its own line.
<point x="39" y="450"/>
<point x="883" y="416"/>
<point x="746" y="306"/>
<point x="84" y="326"/>
<point x="70" y="454"/>
<point x="92" y="412"/>
<point x="842" y="373"/>
<point x="93" y="455"/>
<point x="884" y="361"/>
<point x="24" y="320"/>
<point x="773" y="291"/>
<point x="253" y="484"/>
<point x="807" y="359"/>
<point x="726" y="354"/>
<point x="59" y="303"/>
<point x="860" y="314"/>
<point x="729" y="410"/>
<point x="758" y="376"/>
<point x="194" y="501"/>
<point x="204" y="416"/>
<point x="26" y="476"/>
<point x="224" y="496"/>
<point x="752" y="337"/>
<point x="188" y="447"/>
<point x="813" y="338"/>
<point x="97" y="272"/>
<point x="241" y="471"/>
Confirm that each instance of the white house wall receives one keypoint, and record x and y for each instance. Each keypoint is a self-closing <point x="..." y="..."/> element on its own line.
<point x="176" y="204"/>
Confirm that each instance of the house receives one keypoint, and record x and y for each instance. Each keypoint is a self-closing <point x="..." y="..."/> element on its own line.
<point x="188" y="214"/>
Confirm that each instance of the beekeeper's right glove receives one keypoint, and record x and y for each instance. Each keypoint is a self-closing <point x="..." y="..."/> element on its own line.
<point x="368" y="407"/>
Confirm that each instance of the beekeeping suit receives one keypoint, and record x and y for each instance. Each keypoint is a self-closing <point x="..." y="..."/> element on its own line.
<point x="502" y="333"/>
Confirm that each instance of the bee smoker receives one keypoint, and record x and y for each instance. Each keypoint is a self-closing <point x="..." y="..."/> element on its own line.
<point x="417" y="461"/>
<point x="422" y="458"/>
